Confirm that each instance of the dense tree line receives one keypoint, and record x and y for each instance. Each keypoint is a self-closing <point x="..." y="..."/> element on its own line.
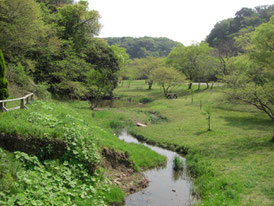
<point x="52" y="45"/>
<point x="222" y="36"/>
<point x="144" y="46"/>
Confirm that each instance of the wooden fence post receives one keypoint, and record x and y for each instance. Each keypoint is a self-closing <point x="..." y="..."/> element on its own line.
<point x="22" y="103"/>
<point x="2" y="107"/>
<point x="24" y="100"/>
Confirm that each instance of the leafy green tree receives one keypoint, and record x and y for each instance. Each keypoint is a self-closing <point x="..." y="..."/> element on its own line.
<point x="252" y="76"/>
<point x="103" y="59"/>
<point x="69" y="76"/>
<point x="56" y="2"/>
<point x="167" y="78"/>
<point x="123" y="61"/>
<point x="76" y="22"/>
<point x="20" y="26"/>
<point x="145" y="68"/>
<point x="99" y="86"/>
<point x="4" y="92"/>
<point x="246" y="20"/>
<point x="196" y="61"/>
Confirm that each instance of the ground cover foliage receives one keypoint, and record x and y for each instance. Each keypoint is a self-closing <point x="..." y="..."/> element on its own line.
<point x="76" y="177"/>
<point x="231" y="164"/>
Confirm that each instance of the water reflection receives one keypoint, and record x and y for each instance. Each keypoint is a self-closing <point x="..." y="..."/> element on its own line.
<point x="178" y="175"/>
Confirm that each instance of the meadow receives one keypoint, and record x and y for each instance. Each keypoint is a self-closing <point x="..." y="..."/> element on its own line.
<point x="232" y="164"/>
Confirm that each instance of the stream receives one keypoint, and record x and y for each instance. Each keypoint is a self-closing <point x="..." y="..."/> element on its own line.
<point x="166" y="187"/>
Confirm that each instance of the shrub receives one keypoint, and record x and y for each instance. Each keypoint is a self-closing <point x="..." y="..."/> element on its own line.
<point x="115" y="124"/>
<point x="20" y="83"/>
<point x="178" y="163"/>
<point x="4" y="92"/>
<point x="41" y="91"/>
<point x="70" y="90"/>
<point x="145" y="100"/>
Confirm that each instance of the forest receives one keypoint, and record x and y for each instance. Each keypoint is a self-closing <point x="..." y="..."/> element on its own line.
<point x="144" y="46"/>
<point x="212" y="102"/>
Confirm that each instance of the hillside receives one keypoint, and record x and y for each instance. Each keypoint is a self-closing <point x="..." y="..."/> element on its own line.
<point x="144" y="46"/>
<point x="66" y="152"/>
<point x="222" y="36"/>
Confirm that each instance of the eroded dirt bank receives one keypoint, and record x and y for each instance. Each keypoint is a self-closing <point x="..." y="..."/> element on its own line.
<point x="120" y="171"/>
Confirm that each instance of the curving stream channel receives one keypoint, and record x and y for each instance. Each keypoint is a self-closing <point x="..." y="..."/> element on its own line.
<point x="166" y="187"/>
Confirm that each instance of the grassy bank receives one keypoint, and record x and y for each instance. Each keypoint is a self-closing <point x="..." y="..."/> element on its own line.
<point x="232" y="163"/>
<point x="72" y="175"/>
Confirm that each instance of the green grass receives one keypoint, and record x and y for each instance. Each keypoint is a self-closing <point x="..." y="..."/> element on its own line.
<point x="178" y="163"/>
<point x="236" y="156"/>
<point x="232" y="164"/>
<point x="76" y="124"/>
<point x="45" y="117"/>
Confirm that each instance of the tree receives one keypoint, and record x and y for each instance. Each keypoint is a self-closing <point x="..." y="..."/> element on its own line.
<point x="123" y="61"/>
<point x="196" y="61"/>
<point x="144" y="46"/>
<point x="208" y="110"/>
<point x="252" y="76"/>
<point x="56" y="2"/>
<point x="167" y="78"/>
<point x="77" y="23"/>
<point x="4" y="92"/>
<point x="99" y="86"/>
<point x="222" y="36"/>
<point x="20" y="26"/>
<point x="146" y="66"/>
<point x="103" y="59"/>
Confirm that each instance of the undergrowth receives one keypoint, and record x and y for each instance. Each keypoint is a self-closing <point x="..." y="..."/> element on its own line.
<point x="75" y="178"/>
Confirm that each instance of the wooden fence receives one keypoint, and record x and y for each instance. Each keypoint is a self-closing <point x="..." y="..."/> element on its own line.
<point x="24" y="100"/>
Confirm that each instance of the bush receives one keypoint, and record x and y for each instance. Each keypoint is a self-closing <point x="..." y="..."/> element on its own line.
<point x="115" y="124"/>
<point x="178" y="163"/>
<point x="41" y="91"/>
<point x="145" y="100"/>
<point x="71" y="90"/>
<point x="4" y="92"/>
<point x="20" y="82"/>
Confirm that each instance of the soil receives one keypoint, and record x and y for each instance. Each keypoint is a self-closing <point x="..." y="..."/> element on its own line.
<point x="42" y="148"/>
<point x="121" y="173"/>
<point x="127" y="179"/>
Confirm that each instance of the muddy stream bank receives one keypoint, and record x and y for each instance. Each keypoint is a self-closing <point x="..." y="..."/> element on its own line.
<point x="166" y="187"/>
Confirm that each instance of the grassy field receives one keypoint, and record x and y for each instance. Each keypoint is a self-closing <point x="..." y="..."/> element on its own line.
<point x="233" y="163"/>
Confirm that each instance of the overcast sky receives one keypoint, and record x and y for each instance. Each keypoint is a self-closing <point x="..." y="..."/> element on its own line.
<point x="180" y="20"/>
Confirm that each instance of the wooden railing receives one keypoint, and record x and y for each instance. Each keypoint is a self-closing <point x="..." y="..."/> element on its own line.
<point x="24" y="100"/>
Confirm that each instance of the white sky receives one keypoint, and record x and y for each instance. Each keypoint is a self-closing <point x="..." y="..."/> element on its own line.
<point x="180" y="20"/>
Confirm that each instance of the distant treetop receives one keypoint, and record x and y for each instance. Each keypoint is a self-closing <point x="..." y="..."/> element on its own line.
<point x="144" y="46"/>
<point x="245" y="21"/>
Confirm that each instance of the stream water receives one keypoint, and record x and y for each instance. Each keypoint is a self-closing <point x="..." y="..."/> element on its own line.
<point x="166" y="187"/>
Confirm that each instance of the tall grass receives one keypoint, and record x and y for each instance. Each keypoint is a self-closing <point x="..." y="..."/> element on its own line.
<point x="178" y="163"/>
